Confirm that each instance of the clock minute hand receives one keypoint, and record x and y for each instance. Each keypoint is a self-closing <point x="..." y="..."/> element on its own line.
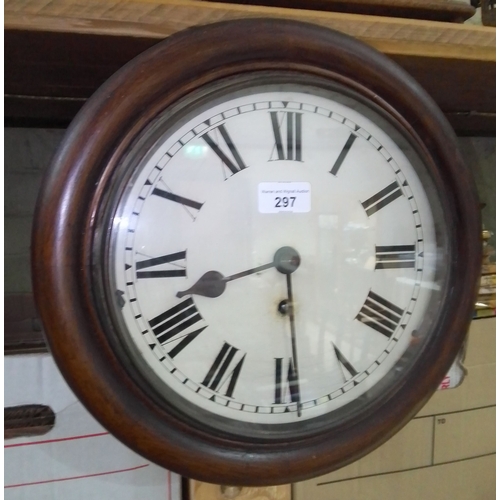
<point x="287" y="261"/>
<point x="294" y="383"/>
<point x="212" y="284"/>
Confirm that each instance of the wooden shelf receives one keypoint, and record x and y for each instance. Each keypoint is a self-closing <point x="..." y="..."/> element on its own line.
<point x="57" y="53"/>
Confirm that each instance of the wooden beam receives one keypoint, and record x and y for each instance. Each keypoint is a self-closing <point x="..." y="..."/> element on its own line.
<point x="161" y="18"/>
<point x="451" y="11"/>
<point x="58" y="53"/>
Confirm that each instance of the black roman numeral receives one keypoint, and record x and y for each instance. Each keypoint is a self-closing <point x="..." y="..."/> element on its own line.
<point x="395" y="257"/>
<point x="382" y="198"/>
<point x="346" y="366"/>
<point x="184" y="342"/>
<point x="235" y="166"/>
<point x="293" y="140"/>
<point x="380" y="314"/>
<point x="219" y="376"/>
<point x="158" y="261"/>
<point x="177" y="199"/>
<point x="176" y="321"/>
<point x="343" y="154"/>
<point x="280" y="385"/>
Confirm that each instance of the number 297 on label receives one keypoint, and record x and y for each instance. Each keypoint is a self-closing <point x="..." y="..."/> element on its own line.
<point x="277" y="197"/>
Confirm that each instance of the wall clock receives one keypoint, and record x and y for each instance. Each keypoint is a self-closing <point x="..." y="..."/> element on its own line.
<point x="256" y="253"/>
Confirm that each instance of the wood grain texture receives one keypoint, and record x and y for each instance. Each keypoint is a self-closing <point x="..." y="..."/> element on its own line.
<point x="28" y="420"/>
<point x="439" y="10"/>
<point x="207" y="491"/>
<point x="161" y="18"/>
<point x="50" y="75"/>
<point x="72" y="208"/>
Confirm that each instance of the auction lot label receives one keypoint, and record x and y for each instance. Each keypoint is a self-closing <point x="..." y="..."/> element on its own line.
<point x="277" y="197"/>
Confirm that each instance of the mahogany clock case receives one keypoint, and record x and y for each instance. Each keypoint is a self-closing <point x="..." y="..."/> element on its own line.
<point x="71" y="241"/>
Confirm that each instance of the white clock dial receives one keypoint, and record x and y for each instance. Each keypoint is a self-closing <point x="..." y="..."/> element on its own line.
<point x="274" y="255"/>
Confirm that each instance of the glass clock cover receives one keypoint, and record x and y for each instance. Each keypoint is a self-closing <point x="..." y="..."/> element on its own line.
<point x="218" y="200"/>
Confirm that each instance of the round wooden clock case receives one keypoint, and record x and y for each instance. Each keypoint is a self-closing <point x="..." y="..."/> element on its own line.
<point x="257" y="251"/>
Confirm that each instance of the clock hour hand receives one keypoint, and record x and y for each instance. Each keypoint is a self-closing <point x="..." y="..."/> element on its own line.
<point x="212" y="284"/>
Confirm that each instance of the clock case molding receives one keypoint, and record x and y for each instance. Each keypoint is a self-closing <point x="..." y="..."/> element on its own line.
<point x="66" y="220"/>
